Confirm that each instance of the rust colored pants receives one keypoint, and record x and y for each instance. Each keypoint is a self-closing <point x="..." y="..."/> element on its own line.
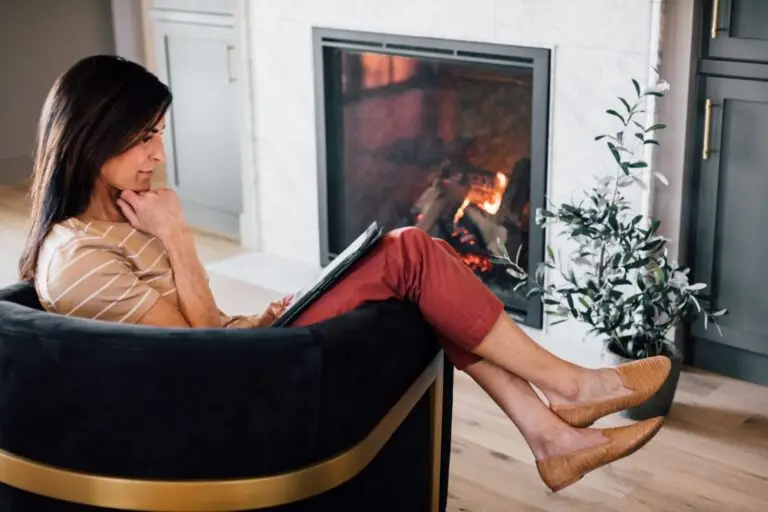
<point x="408" y="264"/>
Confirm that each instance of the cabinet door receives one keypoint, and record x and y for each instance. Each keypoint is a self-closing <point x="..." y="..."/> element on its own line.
<point x="738" y="29"/>
<point x="198" y="62"/>
<point x="731" y="248"/>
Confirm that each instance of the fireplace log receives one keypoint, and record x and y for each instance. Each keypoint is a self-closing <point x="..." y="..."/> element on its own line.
<point x="491" y="231"/>
<point x="439" y="201"/>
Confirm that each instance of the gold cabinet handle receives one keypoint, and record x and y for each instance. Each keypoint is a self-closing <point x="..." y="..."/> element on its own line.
<point x="707" y="129"/>
<point x="229" y="63"/>
<point x="715" y="18"/>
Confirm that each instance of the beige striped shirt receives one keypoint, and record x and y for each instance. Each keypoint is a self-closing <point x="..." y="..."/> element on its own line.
<point x="107" y="271"/>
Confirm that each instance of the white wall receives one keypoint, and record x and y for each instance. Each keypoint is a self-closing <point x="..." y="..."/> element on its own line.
<point x="39" y="39"/>
<point x="598" y="47"/>
<point x="128" y="30"/>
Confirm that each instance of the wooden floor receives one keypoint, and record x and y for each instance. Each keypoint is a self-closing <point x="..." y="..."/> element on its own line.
<point x="711" y="455"/>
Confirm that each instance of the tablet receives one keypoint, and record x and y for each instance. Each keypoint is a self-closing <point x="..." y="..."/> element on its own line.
<point x="331" y="274"/>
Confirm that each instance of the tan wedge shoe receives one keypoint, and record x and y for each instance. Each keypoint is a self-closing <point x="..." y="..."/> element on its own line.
<point x="644" y="377"/>
<point x="561" y="471"/>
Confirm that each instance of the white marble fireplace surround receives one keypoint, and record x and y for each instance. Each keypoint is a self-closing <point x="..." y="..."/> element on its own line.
<point x="597" y="46"/>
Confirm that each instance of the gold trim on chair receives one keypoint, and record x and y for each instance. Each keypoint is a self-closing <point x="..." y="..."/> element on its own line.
<point x="436" y="431"/>
<point x="232" y="495"/>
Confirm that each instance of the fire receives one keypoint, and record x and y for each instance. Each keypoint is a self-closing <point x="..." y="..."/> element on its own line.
<point x="477" y="263"/>
<point x="487" y="198"/>
<point x="380" y="70"/>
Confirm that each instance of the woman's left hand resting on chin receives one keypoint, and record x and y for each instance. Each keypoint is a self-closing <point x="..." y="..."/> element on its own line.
<point x="156" y="212"/>
<point x="159" y="214"/>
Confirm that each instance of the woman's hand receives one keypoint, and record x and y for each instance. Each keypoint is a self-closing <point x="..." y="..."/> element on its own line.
<point x="275" y="310"/>
<point x="155" y="212"/>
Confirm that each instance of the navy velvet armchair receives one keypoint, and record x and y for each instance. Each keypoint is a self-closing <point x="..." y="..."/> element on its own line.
<point x="349" y="414"/>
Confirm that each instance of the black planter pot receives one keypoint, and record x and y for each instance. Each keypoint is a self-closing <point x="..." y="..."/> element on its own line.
<point x="660" y="403"/>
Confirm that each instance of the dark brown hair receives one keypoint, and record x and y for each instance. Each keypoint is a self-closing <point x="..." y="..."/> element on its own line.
<point x="102" y="106"/>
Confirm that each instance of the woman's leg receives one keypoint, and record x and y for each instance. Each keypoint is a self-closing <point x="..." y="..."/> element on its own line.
<point x="408" y="264"/>
<point x="546" y="434"/>
<point x="485" y="343"/>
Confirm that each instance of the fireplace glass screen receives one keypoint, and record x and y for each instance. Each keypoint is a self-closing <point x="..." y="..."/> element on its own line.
<point x="438" y="142"/>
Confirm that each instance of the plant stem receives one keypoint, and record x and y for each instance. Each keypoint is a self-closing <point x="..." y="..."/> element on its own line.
<point x="601" y="268"/>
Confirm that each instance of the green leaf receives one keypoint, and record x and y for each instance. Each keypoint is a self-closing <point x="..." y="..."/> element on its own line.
<point x="651" y="141"/>
<point x="569" y="298"/>
<point x="558" y="322"/>
<point x="640" y="136"/>
<point x="654" y="245"/>
<point x="659" y="126"/>
<point x="580" y="231"/>
<point x="550" y="253"/>
<point x="570" y="208"/>
<point x="600" y="137"/>
<point x="626" y="104"/>
<point x="638" y="165"/>
<point x="638" y="263"/>
<point x="545" y="213"/>
<point x="637" y="87"/>
<point x="614" y="113"/>
<point x="583" y="302"/>
<point x="613" y="222"/>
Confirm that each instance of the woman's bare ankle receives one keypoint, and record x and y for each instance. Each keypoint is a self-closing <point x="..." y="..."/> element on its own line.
<point x="592" y="386"/>
<point x="568" y="390"/>
<point x="564" y="441"/>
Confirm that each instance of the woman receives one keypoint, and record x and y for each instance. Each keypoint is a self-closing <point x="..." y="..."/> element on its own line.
<point x="104" y="246"/>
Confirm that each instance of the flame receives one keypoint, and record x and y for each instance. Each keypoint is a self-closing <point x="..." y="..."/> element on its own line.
<point x="477" y="262"/>
<point x="493" y="205"/>
<point x="380" y="70"/>
<point x="460" y="211"/>
<point x="487" y="199"/>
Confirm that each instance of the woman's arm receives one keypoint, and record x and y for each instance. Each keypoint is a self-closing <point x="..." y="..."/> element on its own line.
<point x="195" y="298"/>
<point x="159" y="213"/>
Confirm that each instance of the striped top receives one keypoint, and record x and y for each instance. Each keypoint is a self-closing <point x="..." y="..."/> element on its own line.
<point x="107" y="271"/>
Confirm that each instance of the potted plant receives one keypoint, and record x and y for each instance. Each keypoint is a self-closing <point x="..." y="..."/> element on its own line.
<point x="618" y="279"/>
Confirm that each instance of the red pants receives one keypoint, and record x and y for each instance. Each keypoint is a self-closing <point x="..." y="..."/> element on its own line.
<point x="408" y="264"/>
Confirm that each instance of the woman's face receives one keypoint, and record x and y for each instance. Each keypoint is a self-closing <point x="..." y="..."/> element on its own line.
<point x="133" y="169"/>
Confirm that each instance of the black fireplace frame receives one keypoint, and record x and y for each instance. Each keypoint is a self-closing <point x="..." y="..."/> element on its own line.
<point x="537" y="59"/>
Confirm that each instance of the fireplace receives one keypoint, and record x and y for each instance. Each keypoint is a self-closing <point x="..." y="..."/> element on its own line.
<point x="447" y="136"/>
